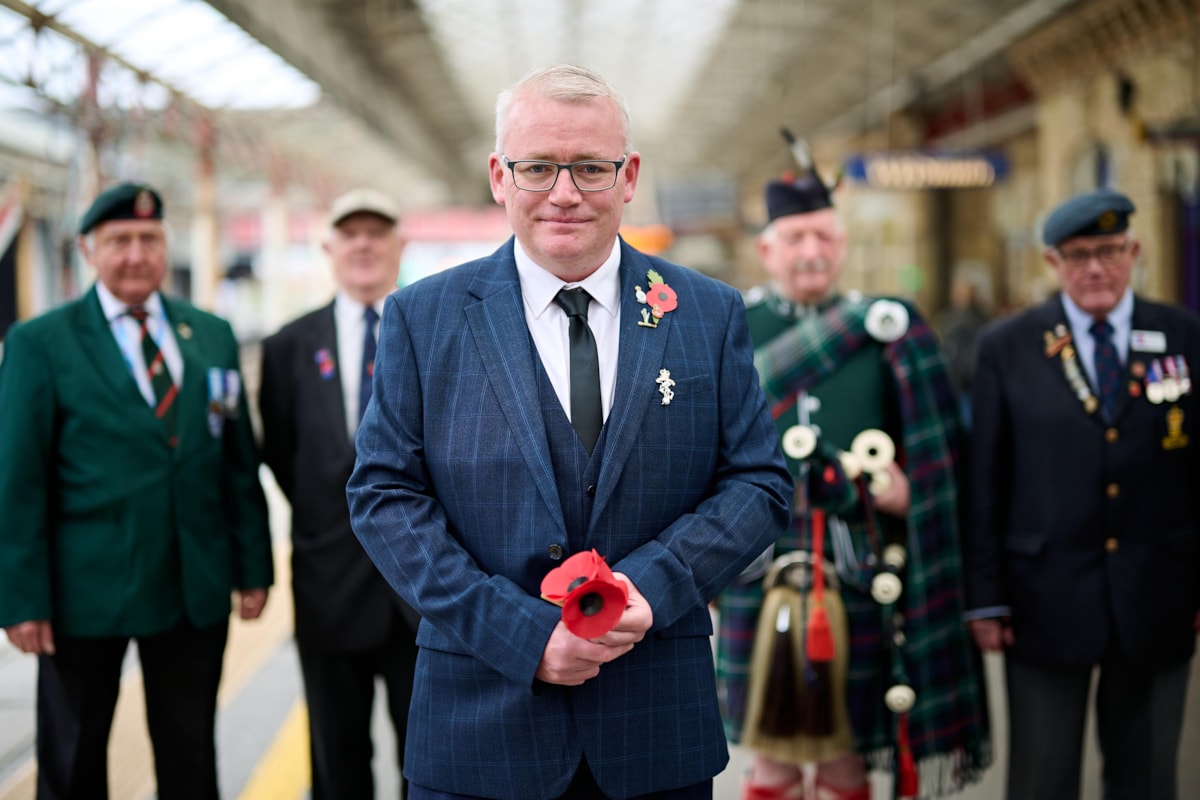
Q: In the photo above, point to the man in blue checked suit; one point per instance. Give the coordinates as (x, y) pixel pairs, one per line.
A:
(566, 393)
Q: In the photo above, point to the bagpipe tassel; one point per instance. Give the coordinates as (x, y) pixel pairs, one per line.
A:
(819, 647)
(781, 697)
(907, 785)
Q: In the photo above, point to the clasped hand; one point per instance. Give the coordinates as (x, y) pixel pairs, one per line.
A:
(569, 660)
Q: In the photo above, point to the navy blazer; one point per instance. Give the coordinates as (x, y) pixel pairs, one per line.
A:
(1088, 529)
(454, 497)
(341, 602)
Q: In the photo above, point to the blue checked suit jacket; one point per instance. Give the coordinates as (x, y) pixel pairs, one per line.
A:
(453, 495)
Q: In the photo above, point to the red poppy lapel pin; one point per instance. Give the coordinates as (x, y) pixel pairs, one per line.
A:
(660, 297)
(325, 363)
(592, 599)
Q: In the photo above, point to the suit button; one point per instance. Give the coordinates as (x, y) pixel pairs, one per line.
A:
(1111, 435)
(1111, 544)
(556, 552)
(591, 491)
(1112, 491)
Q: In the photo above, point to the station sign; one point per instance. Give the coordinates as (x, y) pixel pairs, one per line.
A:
(927, 170)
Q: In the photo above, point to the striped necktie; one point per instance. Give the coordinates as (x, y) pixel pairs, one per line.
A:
(164, 388)
(1108, 365)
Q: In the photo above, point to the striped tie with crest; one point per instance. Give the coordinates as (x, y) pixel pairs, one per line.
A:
(165, 389)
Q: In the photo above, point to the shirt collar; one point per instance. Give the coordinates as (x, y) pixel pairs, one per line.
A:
(114, 309)
(1121, 317)
(539, 286)
(346, 308)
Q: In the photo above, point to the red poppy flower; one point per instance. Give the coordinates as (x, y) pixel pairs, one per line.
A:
(662, 297)
(592, 599)
(594, 607)
(576, 570)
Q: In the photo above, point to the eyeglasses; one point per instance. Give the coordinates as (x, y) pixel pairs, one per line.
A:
(540, 176)
(1109, 255)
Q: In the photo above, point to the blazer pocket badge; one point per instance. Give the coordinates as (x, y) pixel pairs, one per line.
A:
(224, 393)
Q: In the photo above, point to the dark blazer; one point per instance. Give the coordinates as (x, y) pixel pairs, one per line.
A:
(342, 602)
(454, 496)
(104, 528)
(1089, 530)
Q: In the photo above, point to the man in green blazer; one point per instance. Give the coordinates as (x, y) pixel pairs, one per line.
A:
(130, 508)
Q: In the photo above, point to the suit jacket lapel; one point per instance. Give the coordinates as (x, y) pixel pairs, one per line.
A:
(639, 358)
(497, 326)
(192, 413)
(328, 391)
(1052, 317)
(96, 338)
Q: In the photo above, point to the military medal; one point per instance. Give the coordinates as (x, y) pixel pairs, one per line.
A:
(1056, 341)
(1170, 380)
(1154, 387)
(1078, 382)
(1185, 380)
(1175, 438)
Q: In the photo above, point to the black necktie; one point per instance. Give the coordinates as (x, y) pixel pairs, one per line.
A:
(370, 317)
(156, 369)
(586, 413)
(1108, 366)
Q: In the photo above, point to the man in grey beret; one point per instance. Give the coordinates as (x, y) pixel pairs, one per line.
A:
(1083, 544)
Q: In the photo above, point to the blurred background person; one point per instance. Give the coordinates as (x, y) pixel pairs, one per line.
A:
(959, 325)
(1083, 546)
(316, 380)
(133, 511)
(873, 670)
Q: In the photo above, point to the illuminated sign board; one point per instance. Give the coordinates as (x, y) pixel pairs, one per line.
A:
(919, 170)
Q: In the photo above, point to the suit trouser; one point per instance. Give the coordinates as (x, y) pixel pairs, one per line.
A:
(77, 694)
(339, 688)
(583, 787)
(1139, 716)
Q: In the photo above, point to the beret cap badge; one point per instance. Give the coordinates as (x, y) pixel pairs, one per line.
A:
(143, 204)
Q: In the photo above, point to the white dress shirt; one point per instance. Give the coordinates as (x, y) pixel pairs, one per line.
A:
(127, 332)
(1121, 319)
(550, 326)
(350, 328)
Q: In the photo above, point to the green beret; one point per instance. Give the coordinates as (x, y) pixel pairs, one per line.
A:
(1099, 213)
(123, 201)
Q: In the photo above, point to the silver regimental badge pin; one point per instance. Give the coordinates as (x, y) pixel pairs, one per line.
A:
(664, 386)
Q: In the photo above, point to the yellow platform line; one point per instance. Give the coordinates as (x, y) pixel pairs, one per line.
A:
(131, 761)
(284, 772)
